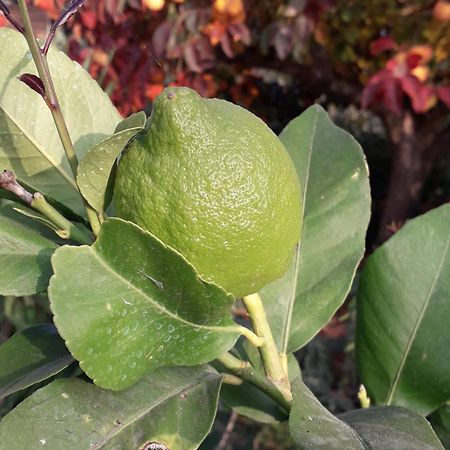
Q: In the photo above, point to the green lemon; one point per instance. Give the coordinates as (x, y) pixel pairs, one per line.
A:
(211, 180)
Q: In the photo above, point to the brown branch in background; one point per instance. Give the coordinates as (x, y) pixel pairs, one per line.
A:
(222, 445)
(417, 144)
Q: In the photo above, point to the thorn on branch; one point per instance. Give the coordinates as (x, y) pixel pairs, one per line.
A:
(7, 13)
(72, 8)
(9, 183)
(33, 82)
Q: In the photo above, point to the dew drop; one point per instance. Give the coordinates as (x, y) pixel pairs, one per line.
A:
(108, 331)
(171, 328)
(42, 441)
(158, 326)
(167, 338)
(132, 364)
(126, 330)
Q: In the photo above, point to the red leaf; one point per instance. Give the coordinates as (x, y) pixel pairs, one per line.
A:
(89, 19)
(382, 44)
(423, 97)
(3, 21)
(383, 89)
(443, 93)
(33, 82)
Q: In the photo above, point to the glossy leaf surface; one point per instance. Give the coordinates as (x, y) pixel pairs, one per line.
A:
(314, 428)
(30, 356)
(402, 316)
(378, 428)
(129, 304)
(392, 427)
(29, 143)
(336, 200)
(95, 168)
(27, 254)
(440, 420)
(172, 407)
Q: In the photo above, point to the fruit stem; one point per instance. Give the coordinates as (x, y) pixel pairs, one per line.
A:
(246, 372)
(40, 60)
(269, 353)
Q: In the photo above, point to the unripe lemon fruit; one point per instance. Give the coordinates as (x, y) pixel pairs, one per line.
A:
(211, 180)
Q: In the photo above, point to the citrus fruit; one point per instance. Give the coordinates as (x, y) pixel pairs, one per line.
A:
(211, 180)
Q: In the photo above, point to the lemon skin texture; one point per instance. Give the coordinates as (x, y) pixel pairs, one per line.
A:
(211, 180)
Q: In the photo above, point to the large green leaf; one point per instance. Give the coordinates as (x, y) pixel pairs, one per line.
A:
(336, 199)
(129, 304)
(26, 255)
(30, 356)
(29, 143)
(314, 428)
(403, 308)
(380, 428)
(392, 427)
(95, 168)
(440, 420)
(172, 407)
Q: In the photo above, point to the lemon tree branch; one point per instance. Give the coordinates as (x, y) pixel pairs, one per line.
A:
(273, 364)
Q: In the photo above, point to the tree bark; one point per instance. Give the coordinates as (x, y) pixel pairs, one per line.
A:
(417, 143)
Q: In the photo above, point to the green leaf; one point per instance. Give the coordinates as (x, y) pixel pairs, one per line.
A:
(336, 199)
(29, 143)
(392, 427)
(173, 407)
(27, 254)
(31, 356)
(136, 120)
(314, 428)
(380, 428)
(402, 316)
(440, 420)
(129, 304)
(95, 168)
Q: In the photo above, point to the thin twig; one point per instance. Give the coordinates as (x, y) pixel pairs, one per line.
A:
(228, 430)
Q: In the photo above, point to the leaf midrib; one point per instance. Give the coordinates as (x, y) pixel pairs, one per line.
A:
(227, 329)
(290, 309)
(146, 410)
(396, 379)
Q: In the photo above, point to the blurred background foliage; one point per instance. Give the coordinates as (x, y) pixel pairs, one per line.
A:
(380, 67)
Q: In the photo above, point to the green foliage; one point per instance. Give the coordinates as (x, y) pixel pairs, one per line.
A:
(77, 414)
(28, 254)
(135, 313)
(402, 316)
(29, 142)
(155, 312)
(336, 198)
(31, 356)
